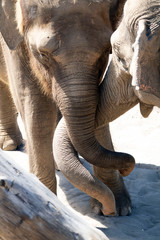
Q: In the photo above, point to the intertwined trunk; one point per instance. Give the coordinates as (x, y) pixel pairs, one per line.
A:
(75, 133)
(78, 102)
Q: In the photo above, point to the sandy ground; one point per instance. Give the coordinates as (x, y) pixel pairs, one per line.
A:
(140, 137)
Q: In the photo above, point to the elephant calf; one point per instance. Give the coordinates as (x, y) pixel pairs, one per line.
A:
(133, 77)
(54, 53)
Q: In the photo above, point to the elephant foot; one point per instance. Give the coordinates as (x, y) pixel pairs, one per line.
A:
(115, 182)
(123, 205)
(123, 202)
(10, 142)
(96, 206)
(98, 209)
(106, 207)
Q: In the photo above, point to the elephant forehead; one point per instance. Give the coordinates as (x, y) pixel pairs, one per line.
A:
(140, 6)
(138, 10)
(43, 36)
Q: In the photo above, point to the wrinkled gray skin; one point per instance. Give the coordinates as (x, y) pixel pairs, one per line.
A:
(133, 77)
(56, 52)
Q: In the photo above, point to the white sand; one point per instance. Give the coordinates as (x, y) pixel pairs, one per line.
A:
(141, 138)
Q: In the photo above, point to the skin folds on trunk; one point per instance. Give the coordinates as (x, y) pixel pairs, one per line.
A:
(79, 118)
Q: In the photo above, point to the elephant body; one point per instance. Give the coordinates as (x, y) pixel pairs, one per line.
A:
(133, 77)
(52, 56)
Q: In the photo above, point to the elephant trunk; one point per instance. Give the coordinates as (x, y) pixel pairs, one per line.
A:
(80, 96)
(70, 165)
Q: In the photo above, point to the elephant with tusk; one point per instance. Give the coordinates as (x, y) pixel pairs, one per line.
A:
(133, 77)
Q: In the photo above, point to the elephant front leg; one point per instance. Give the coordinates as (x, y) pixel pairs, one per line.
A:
(10, 135)
(39, 116)
(111, 178)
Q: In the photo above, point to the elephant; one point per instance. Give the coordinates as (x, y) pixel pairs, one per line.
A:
(53, 55)
(133, 77)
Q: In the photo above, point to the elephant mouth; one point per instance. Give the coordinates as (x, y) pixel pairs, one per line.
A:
(148, 95)
(147, 89)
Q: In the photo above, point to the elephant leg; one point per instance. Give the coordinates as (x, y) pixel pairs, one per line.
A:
(39, 115)
(111, 178)
(10, 135)
(40, 122)
(38, 112)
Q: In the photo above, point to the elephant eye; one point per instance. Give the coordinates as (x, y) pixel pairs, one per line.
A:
(43, 55)
(123, 62)
(120, 59)
(118, 50)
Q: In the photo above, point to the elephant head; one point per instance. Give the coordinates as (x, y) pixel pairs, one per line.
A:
(136, 52)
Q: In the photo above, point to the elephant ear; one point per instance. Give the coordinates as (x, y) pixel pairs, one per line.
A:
(8, 25)
(116, 11)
